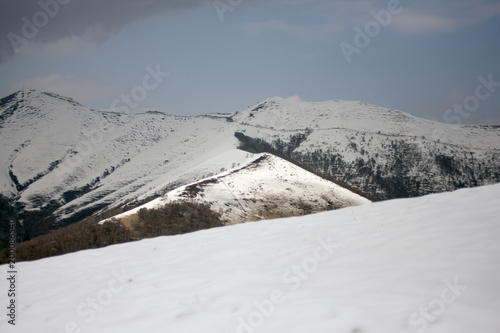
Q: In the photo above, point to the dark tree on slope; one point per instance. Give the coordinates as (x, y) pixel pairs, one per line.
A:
(176, 218)
(407, 170)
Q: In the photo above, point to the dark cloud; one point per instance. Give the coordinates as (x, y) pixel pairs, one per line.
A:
(93, 20)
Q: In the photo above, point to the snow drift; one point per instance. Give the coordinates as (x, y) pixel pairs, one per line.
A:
(409, 265)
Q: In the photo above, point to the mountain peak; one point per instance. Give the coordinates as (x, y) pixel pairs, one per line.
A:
(30, 103)
(33, 94)
(267, 187)
(276, 102)
(71, 162)
(289, 99)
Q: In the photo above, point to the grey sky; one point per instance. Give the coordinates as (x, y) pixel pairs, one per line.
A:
(426, 57)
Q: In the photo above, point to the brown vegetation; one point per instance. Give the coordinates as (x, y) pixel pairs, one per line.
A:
(174, 218)
(75, 237)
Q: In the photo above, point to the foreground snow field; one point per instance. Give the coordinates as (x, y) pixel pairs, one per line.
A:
(429, 264)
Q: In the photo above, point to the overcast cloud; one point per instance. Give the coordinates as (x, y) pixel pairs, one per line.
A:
(428, 58)
(88, 20)
(97, 20)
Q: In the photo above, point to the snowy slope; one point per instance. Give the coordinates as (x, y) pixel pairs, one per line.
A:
(284, 114)
(37, 129)
(103, 158)
(57, 154)
(387, 153)
(268, 187)
(410, 265)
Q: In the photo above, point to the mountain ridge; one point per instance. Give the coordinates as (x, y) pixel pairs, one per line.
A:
(65, 162)
(267, 187)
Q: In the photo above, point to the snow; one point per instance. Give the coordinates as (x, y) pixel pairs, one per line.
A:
(129, 158)
(265, 186)
(427, 264)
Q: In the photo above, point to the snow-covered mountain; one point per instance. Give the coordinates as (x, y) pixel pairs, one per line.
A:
(384, 152)
(427, 264)
(268, 187)
(61, 162)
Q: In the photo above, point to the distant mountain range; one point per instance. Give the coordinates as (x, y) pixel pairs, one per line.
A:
(268, 187)
(61, 162)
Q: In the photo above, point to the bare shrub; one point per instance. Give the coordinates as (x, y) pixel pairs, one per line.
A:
(176, 218)
(78, 236)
